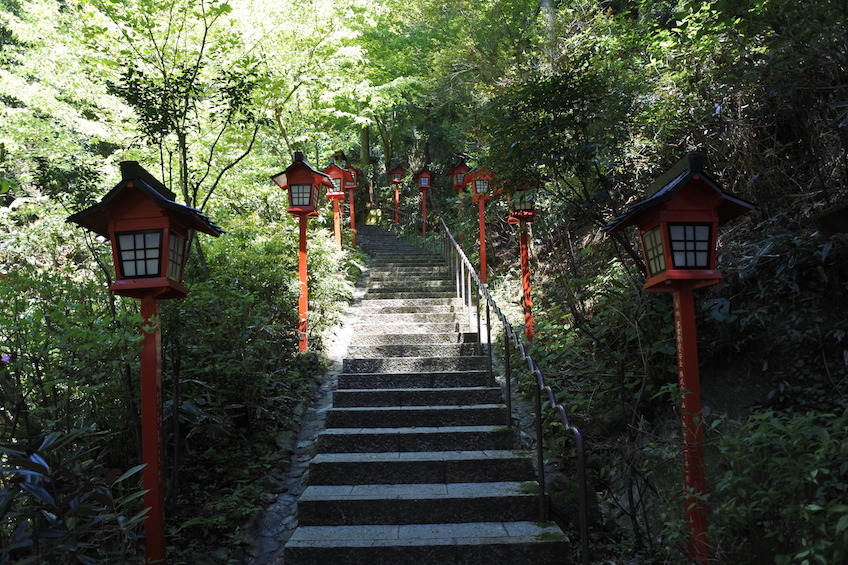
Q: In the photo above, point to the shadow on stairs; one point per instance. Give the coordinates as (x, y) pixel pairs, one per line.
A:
(415, 464)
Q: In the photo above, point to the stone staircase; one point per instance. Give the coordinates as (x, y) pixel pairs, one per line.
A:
(416, 464)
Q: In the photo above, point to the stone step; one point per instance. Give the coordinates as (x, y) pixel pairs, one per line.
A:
(400, 259)
(450, 503)
(425, 379)
(405, 416)
(419, 467)
(410, 271)
(414, 364)
(411, 328)
(411, 295)
(474, 543)
(410, 338)
(348, 398)
(383, 302)
(414, 318)
(375, 307)
(412, 350)
(419, 438)
(420, 284)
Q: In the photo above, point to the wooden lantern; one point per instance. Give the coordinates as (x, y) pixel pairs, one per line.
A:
(149, 233)
(678, 226)
(459, 174)
(302, 183)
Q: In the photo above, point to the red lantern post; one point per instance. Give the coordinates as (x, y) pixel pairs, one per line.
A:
(524, 211)
(302, 183)
(336, 195)
(678, 226)
(350, 188)
(423, 177)
(483, 183)
(397, 175)
(149, 233)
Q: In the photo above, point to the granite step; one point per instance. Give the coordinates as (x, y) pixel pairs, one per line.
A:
(409, 328)
(374, 338)
(383, 302)
(405, 416)
(380, 318)
(419, 438)
(447, 503)
(421, 379)
(347, 398)
(395, 350)
(420, 467)
(414, 364)
(412, 295)
(472, 543)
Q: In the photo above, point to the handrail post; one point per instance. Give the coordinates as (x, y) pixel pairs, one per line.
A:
(540, 458)
(507, 378)
(479, 329)
(489, 347)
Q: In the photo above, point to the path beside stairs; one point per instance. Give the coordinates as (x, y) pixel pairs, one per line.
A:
(415, 463)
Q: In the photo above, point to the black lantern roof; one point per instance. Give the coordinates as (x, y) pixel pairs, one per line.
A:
(688, 169)
(94, 217)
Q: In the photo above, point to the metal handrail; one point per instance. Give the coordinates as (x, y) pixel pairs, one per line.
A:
(465, 275)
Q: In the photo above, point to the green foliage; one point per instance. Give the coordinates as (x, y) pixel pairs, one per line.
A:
(59, 504)
(782, 496)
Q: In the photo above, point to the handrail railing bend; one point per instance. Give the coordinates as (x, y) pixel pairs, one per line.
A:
(466, 276)
(466, 280)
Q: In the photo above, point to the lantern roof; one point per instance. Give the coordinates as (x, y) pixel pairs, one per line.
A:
(333, 170)
(425, 172)
(136, 178)
(298, 165)
(688, 172)
(397, 169)
(460, 168)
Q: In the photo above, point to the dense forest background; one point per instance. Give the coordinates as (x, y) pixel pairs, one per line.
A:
(591, 99)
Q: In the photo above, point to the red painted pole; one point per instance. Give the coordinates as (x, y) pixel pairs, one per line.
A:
(303, 300)
(337, 224)
(152, 450)
(691, 424)
(352, 220)
(525, 283)
(482, 211)
(424, 213)
(397, 204)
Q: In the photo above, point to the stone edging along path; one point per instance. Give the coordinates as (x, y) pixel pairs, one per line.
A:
(265, 536)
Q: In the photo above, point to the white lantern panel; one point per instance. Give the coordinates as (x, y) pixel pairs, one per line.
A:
(176, 257)
(690, 245)
(652, 241)
(300, 194)
(140, 253)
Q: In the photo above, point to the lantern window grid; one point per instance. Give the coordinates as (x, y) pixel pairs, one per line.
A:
(424, 181)
(337, 184)
(652, 241)
(176, 256)
(690, 245)
(481, 186)
(460, 178)
(301, 194)
(140, 253)
(398, 177)
(523, 203)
